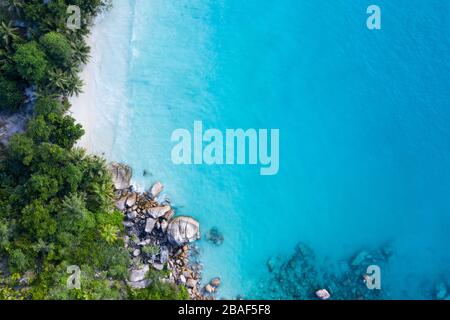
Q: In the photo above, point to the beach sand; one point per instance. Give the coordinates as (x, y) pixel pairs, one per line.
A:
(102, 106)
(84, 104)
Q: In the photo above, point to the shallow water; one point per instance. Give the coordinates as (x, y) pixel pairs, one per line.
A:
(363, 118)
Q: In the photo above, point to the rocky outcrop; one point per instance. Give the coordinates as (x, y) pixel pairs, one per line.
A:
(323, 294)
(182, 230)
(158, 241)
(169, 215)
(158, 212)
(121, 203)
(191, 283)
(150, 225)
(121, 175)
(156, 189)
(131, 200)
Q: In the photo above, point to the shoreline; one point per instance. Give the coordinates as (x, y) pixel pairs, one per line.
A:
(157, 239)
(104, 82)
(179, 262)
(85, 102)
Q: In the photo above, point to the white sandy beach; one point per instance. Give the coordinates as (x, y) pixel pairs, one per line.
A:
(102, 106)
(84, 105)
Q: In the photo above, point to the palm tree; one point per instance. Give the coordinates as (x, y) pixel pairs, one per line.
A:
(109, 233)
(41, 93)
(74, 83)
(8, 34)
(15, 7)
(81, 51)
(57, 80)
(64, 83)
(74, 86)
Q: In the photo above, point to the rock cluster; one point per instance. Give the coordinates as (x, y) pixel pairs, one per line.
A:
(212, 286)
(301, 276)
(155, 238)
(121, 175)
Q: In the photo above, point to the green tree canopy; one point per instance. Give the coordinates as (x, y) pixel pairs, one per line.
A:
(11, 95)
(37, 220)
(46, 104)
(57, 48)
(31, 62)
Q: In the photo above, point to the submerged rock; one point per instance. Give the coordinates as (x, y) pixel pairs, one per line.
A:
(300, 275)
(215, 282)
(441, 291)
(209, 288)
(215, 237)
(387, 252)
(183, 230)
(274, 263)
(360, 258)
(121, 175)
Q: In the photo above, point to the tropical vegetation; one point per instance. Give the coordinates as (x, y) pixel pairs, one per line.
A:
(55, 200)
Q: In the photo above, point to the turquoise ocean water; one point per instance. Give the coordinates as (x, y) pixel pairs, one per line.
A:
(364, 119)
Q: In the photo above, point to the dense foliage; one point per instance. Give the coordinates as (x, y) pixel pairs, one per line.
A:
(55, 200)
(11, 94)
